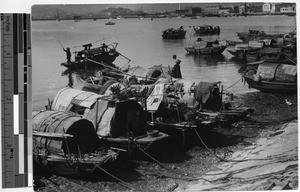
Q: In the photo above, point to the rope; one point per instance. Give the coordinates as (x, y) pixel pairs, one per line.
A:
(233, 84)
(222, 159)
(122, 183)
(162, 165)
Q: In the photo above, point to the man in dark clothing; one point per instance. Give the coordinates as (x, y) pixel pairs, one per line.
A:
(68, 52)
(176, 72)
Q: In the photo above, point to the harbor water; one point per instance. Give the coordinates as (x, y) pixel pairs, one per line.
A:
(141, 42)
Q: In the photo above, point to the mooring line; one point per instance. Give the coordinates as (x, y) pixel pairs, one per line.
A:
(163, 166)
(122, 183)
(222, 159)
(233, 84)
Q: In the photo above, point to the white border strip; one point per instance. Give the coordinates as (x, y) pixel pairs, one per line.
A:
(16, 114)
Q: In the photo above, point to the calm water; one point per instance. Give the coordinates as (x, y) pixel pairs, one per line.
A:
(141, 41)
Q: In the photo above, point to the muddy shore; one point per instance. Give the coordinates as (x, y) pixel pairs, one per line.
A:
(180, 166)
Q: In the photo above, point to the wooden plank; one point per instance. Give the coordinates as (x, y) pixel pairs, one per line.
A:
(52, 135)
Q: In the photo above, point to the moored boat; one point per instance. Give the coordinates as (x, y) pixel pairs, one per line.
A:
(110, 23)
(98, 57)
(205, 47)
(172, 107)
(207, 30)
(275, 76)
(67, 144)
(172, 33)
(120, 122)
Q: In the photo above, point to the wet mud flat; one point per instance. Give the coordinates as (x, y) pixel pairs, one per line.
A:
(174, 166)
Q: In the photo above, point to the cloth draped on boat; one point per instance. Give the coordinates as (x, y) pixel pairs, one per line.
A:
(208, 94)
(156, 97)
(53, 125)
(108, 116)
(271, 51)
(277, 72)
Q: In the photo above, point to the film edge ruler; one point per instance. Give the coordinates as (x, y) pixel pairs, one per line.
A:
(16, 131)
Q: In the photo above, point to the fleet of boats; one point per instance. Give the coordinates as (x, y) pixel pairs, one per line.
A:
(122, 111)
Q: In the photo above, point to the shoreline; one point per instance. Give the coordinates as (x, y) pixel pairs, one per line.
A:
(271, 112)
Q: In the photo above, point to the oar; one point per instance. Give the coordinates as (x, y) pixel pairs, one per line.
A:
(60, 44)
(125, 57)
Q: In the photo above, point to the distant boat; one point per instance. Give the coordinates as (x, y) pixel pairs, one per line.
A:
(206, 47)
(172, 33)
(141, 17)
(110, 23)
(207, 30)
(120, 17)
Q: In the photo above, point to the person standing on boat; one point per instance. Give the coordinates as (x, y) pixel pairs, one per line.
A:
(176, 72)
(104, 48)
(68, 52)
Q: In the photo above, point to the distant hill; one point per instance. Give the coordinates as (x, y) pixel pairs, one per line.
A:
(52, 11)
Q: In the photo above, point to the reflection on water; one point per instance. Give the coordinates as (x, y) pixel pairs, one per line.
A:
(207, 60)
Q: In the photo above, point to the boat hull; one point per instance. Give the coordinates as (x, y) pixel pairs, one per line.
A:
(207, 50)
(271, 86)
(175, 36)
(143, 142)
(89, 64)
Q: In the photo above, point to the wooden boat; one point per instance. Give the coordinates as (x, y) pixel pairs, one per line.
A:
(250, 48)
(67, 144)
(110, 23)
(265, 53)
(233, 43)
(172, 33)
(135, 76)
(255, 35)
(170, 111)
(120, 122)
(98, 57)
(275, 76)
(206, 47)
(207, 30)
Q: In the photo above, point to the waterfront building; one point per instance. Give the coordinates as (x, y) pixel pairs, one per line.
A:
(224, 11)
(236, 9)
(242, 9)
(211, 9)
(266, 7)
(287, 8)
(255, 7)
(196, 10)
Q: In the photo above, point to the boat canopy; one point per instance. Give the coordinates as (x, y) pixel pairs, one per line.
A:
(277, 72)
(157, 71)
(110, 117)
(59, 131)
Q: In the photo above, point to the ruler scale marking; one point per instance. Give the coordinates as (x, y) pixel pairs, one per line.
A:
(16, 101)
